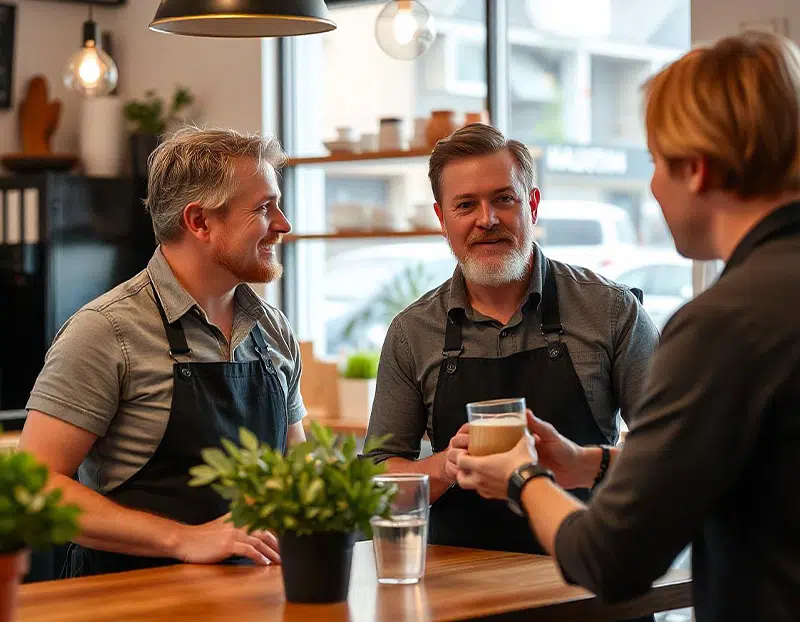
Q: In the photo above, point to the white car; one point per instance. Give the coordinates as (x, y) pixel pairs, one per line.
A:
(665, 278)
(591, 234)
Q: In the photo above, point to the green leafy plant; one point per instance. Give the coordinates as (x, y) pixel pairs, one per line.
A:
(404, 288)
(319, 485)
(152, 116)
(362, 365)
(30, 516)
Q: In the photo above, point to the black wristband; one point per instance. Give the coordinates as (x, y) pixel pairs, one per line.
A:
(605, 459)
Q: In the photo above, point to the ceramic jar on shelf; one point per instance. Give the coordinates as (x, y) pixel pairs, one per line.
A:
(440, 125)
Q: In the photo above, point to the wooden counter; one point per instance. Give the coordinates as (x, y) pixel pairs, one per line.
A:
(460, 584)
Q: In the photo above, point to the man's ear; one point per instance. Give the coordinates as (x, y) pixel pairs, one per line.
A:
(195, 220)
(440, 215)
(699, 174)
(533, 200)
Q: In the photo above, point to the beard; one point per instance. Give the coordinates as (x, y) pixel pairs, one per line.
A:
(249, 268)
(499, 268)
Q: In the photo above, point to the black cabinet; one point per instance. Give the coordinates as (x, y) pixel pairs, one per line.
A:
(64, 240)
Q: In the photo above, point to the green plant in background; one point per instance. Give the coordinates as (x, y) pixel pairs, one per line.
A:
(151, 116)
(394, 296)
(30, 516)
(319, 485)
(362, 365)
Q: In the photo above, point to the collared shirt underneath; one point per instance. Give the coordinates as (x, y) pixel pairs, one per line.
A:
(109, 372)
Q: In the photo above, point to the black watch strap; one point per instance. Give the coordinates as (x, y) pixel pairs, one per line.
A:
(519, 479)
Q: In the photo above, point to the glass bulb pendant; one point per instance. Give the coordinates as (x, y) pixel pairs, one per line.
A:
(90, 71)
(405, 29)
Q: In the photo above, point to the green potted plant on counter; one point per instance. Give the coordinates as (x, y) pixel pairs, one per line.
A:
(30, 518)
(315, 499)
(357, 385)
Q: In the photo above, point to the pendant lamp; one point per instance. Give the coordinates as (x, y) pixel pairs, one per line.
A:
(242, 18)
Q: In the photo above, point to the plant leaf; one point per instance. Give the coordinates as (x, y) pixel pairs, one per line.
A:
(248, 439)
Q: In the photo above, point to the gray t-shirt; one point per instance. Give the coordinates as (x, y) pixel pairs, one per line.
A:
(109, 371)
(609, 335)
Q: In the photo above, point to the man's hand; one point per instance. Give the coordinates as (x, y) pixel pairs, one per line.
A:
(218, 540)
(489, 475)
(458, 444)
(557, 453)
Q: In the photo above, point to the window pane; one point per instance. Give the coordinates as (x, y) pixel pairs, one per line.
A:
(350, 289)
(576, 69)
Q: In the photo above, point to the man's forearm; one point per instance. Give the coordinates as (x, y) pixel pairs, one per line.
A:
(108, 526)
(433, 466)
(547, 506)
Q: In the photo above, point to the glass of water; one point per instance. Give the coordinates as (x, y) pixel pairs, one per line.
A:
(401, 540)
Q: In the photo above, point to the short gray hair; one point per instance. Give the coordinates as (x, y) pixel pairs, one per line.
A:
(198, 165)
(479, 139)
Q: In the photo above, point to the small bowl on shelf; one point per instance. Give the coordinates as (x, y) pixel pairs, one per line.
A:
(340, 146)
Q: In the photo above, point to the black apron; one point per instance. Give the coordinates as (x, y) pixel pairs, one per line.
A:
(209, 401)
(547, 380)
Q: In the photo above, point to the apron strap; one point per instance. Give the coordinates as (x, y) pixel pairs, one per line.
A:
(551, 317)
(452, 334)
(175, 334)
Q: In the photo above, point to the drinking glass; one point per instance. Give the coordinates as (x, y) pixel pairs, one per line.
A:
(495, 426)
(401, 540)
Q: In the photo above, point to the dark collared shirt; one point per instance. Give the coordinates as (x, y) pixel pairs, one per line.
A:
(714, 455)
(609, 335)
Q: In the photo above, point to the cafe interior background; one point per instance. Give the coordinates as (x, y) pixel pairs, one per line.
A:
(564, 77)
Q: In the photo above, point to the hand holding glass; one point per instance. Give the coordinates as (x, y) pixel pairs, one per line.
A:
(495, 426)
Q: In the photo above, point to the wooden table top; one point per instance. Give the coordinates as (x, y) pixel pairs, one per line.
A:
(460, 584)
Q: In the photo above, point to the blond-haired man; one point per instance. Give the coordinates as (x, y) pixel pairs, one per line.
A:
(143, 378)
(509, 323)
(714, 454)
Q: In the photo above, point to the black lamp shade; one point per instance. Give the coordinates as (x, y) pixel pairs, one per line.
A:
(242, 18)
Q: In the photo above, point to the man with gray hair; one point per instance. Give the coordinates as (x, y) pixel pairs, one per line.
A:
(185, 353)
(509, 323)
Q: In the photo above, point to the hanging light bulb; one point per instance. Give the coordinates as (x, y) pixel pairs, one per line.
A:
(90, 71)
(405, 29)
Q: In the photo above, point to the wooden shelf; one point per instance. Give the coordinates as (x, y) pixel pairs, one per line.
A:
(360, 157)
(355, 235)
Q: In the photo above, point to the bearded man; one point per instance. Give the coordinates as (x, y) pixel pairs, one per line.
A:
(509, 323)
(143, 378)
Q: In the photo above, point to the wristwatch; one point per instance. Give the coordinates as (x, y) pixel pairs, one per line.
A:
(519, 478)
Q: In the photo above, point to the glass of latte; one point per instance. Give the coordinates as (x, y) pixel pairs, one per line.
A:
(495, 426)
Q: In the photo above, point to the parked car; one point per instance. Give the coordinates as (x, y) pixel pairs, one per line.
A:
(665, 278)
(591, 234)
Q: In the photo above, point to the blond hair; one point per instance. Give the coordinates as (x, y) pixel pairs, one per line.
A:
(478, 139)
(736, 103)
(199, 165)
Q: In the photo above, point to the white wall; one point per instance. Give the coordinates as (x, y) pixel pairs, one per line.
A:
(712, 19)
(225, 75)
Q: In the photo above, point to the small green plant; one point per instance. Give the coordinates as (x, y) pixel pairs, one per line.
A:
(30, 516)
(319, 485)
(362, 365)
(151, 116)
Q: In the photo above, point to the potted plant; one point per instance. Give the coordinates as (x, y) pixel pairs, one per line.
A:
(151, 118)
(315, 499)
(30, 518)
(357, 385)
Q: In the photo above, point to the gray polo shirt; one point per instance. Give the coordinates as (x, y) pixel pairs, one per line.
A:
(609, 335)
(108, 370)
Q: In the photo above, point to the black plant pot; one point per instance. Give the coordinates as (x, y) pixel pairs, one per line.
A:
(316, 567)
(142, 145)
